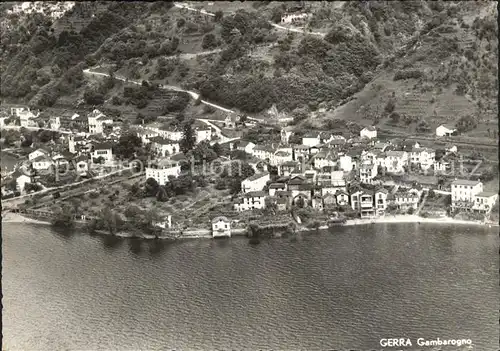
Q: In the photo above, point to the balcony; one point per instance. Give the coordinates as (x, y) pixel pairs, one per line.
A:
(365, 204)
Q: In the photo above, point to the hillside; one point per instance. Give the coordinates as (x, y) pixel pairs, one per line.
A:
(406, 66)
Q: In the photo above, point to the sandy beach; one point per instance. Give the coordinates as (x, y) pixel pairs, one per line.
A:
(414, 219)
(10, 217)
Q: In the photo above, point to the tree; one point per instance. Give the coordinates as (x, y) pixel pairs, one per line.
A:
(152, 187)
(389, 107)
(203, 151)
(209, 41)
(188, 140)
(127, 146)
(218, 16)
(92, 97)
(395, 117)
(270, 205)
(162, 195)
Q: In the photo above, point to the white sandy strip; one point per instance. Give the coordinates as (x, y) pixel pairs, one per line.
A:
(415, 219)
(17, 218)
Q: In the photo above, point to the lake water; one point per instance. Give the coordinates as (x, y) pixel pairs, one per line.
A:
(336, 290)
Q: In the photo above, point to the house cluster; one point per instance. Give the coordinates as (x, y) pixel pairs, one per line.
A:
(315, 172)
(27, 117)
(322, 191)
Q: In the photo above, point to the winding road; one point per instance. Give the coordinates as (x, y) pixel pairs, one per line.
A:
(277, 26)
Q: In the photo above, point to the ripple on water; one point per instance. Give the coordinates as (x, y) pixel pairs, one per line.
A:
(342, 290)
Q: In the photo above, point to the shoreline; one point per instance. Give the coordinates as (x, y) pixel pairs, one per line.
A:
(17, 218)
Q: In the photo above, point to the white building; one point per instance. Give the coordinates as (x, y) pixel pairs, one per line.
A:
(286, 133)
(42, 162)
(484, 201)
(275, 187)
(281, 157)
(345, 163)
(104, 150)
(367, 172)
(311, 139)
(27, 118)
(202, 134)
(21, 182)
(406, 200)
(38, 153)
(445, 130)
(221, 227)
(162, 170)
(246, 146)
(423, 156)
(294, 18)
(263, 152)
(368, 132)
(395, 161)
(55, 123)
(81, 164)
(324, 159)
(251, 201)
(164, 147)
(380, 201)
(97, 121)
(256, 182)
(463, 193)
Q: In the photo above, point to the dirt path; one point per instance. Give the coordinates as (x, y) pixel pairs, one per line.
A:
(277, 26)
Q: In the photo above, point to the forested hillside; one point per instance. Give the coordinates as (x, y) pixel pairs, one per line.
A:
(404, 64)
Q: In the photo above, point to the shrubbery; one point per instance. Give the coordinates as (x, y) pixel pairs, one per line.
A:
(408, 74)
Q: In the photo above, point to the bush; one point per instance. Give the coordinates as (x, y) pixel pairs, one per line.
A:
(209, 41)
(408, 74)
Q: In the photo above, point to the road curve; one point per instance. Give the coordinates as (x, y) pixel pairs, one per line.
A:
(193, 94)
(277, 26)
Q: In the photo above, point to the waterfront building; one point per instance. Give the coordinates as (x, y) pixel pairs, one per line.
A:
(317, 203)
(380, 201)
(221, 227)
(342, 198)
(484, 201)
(405, 200)
(256, 182)
(463, 193)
